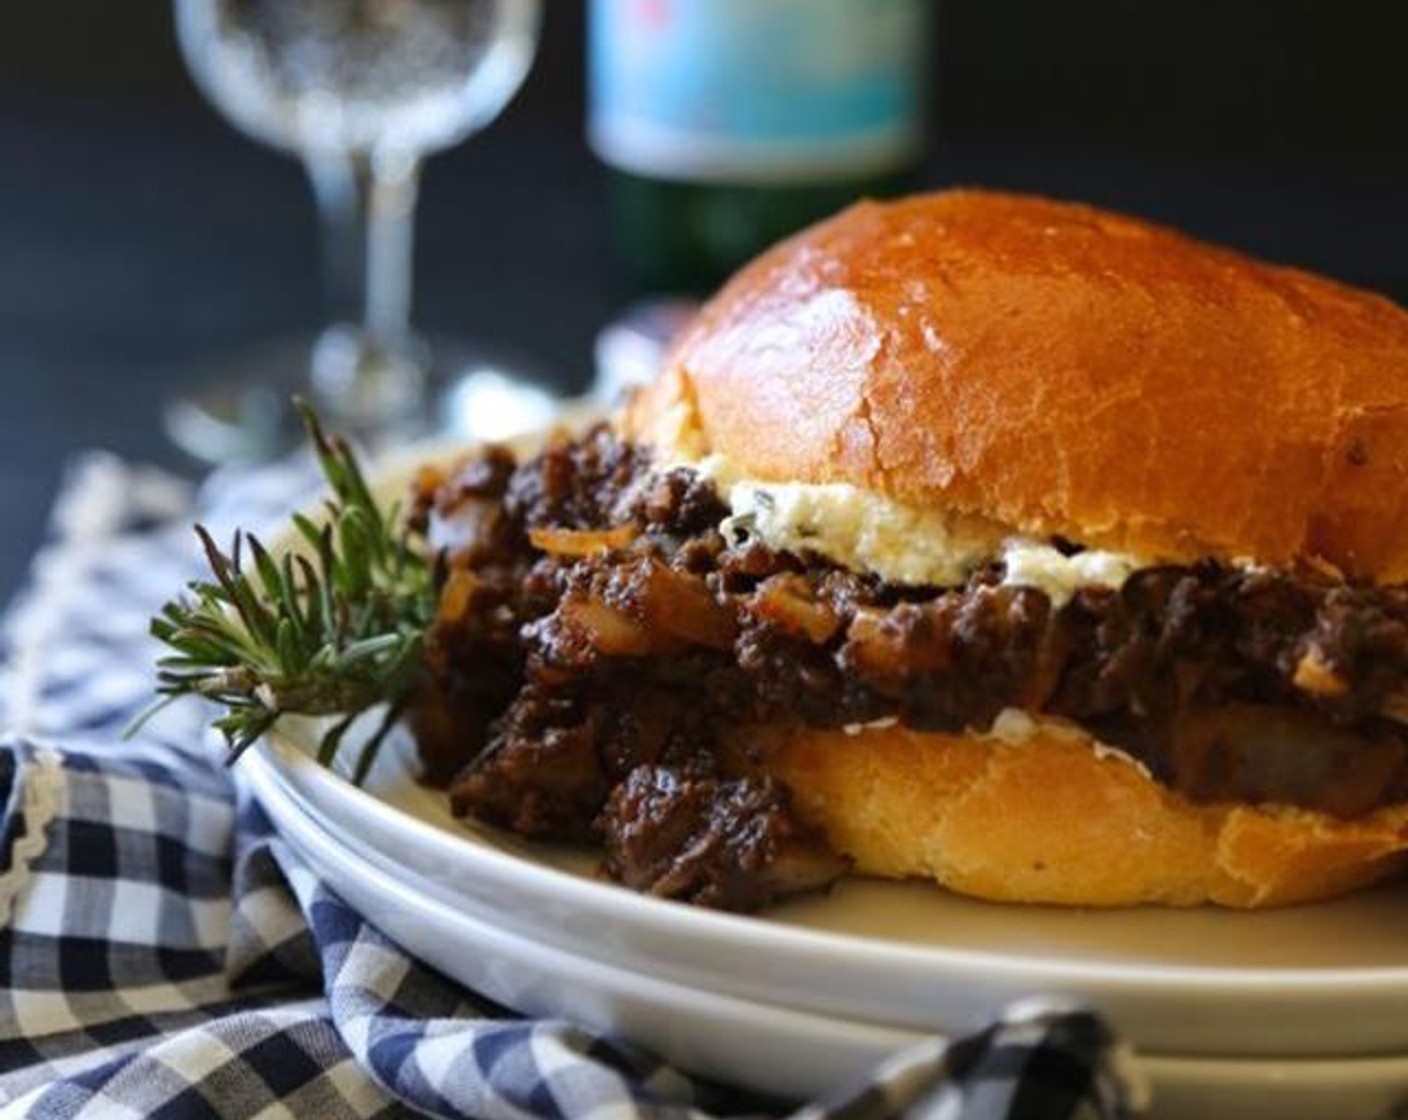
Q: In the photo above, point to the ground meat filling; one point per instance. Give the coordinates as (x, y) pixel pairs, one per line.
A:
(597, 636)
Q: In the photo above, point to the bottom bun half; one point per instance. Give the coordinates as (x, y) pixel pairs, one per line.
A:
(1058, 819)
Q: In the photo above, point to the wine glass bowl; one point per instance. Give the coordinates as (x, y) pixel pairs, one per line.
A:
(358, 75)
(361, 91)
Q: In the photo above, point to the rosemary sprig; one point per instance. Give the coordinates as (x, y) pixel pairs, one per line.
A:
(334, 632)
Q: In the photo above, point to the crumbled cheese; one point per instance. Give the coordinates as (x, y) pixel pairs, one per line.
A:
(902, 543)
(1014, 728)
(873, 725)
(1033, 564)
(1104, 752)
(861, 531)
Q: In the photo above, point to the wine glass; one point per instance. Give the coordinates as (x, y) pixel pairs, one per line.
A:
(361, 91)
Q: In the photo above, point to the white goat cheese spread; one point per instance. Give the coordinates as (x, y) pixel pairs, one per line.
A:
(902, 543)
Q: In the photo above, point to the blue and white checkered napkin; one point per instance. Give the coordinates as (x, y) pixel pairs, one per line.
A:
(164, 954)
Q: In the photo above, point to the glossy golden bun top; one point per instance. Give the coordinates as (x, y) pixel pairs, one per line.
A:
(1061, 370)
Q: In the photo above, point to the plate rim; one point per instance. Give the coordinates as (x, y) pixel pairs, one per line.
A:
(1168, 1073)
(831, 945)
(639, 987)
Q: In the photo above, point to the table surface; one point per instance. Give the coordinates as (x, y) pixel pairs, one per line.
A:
(139, 245)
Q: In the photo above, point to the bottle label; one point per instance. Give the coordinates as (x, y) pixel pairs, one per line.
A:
(757, 91)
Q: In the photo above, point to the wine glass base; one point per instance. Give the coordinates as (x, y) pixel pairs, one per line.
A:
(247, 415)
(246, 411)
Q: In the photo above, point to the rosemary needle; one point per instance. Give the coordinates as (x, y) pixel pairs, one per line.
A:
(333, 632)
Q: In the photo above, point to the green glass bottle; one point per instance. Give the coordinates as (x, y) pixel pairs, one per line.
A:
(728, 124)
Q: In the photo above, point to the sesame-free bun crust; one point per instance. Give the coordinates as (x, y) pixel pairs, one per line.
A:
(1051, 820)
(1058, 369)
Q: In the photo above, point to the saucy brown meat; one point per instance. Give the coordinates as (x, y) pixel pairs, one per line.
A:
(714, 842)
(597, 634)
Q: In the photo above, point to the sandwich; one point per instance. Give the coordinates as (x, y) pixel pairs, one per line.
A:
(1009, 544)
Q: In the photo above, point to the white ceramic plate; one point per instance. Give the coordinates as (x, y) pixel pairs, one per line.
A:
(771, 1049)
(1314, 980)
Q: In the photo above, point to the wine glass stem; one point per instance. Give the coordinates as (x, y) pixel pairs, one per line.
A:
(367, 211)
(367, 207)
(391, 193)
(343, 243)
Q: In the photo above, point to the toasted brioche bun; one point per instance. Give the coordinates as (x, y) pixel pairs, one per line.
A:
(1059, 370)
(1054, 820)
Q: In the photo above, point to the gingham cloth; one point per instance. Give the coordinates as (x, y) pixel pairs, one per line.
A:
(164, 954)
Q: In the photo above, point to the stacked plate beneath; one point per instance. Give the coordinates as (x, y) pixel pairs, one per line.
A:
(1286, 1014)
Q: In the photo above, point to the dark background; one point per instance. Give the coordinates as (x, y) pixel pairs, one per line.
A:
(140, 238)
